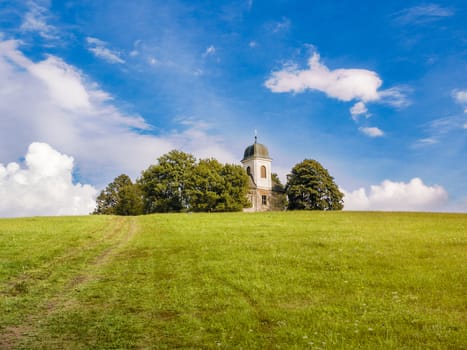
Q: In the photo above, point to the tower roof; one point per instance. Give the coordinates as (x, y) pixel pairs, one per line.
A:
(256, 150)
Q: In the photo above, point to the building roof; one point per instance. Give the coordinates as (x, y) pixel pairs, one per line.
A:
(256, 150)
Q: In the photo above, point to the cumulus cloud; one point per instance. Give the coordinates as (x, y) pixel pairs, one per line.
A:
(44, 186)
(343, 84)
(67, 110)
(99, 49)
(35, 20)
(372, 131)
(358, 109)
(397, 196)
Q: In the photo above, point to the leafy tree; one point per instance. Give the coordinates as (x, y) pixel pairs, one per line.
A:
(279, 198)
(179, 183)
(234, 194)
(310, 186)
(164, 185)
(206, 186)
(120, 197)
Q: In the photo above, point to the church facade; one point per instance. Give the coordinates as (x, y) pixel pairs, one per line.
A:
(263, 194)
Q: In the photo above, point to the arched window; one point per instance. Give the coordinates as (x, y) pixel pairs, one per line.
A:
(263, 171)
(248, 170)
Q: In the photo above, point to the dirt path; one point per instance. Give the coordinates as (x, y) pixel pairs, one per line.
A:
(121, 233)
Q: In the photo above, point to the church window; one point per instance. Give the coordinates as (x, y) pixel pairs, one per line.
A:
(248, 170)
(264, 200)
(263, 172)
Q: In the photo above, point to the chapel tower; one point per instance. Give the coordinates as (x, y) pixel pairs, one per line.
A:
(257, 164)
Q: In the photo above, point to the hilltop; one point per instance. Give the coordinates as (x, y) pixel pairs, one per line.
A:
(319, 280)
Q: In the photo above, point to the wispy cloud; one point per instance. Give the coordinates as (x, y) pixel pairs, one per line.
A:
(210, 51)
(422, 14)
(426, 142)
(67, 110)
(35, 20)
(281, 26)
(441, 128)
(99, 49)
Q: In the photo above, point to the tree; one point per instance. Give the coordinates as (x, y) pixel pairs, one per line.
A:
(120, 197)
(234, 194)
(279, 198)
(179, 183)
(164, 185)
(206, 186)
(310, 187)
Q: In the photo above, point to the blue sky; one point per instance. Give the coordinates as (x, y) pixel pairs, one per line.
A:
(375, 91)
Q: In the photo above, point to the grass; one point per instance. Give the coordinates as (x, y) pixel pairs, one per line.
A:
(295, 280)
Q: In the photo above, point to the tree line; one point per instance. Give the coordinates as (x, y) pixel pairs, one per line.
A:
(181, 183)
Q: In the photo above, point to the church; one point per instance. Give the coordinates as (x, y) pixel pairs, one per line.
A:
(264, 194)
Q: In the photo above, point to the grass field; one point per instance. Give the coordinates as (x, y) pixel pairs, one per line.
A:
(295, 280)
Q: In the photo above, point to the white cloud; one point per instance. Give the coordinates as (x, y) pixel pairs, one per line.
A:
(44, 186)
(397, 196)
(35, 20)
(358, 109)
(445, 125)
(395, 96)
(99, 49)
(427, 141)
(372, 131)
(460, 96)
(63, 82)
(252, 44)
(422, 14)
(343, 84)
(54, 102)
(211, 50)
(282, 25)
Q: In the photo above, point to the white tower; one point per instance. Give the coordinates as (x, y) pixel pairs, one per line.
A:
(257, 164)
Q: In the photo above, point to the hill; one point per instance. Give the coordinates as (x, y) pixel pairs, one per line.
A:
(318, 280)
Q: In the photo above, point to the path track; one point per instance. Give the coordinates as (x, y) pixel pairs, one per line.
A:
(119, 234)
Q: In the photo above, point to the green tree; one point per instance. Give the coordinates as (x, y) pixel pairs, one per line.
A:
(206, 186)
(164, 185)
(279, 198)
(179, 183)
(120, 197)
(234, 194)
(310, 186)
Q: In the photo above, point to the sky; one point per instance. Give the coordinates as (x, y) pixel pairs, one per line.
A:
(375, 91)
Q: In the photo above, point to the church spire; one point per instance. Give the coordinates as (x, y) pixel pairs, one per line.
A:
(256, 136)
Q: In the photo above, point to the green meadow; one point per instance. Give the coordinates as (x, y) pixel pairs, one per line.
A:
(289, 280)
